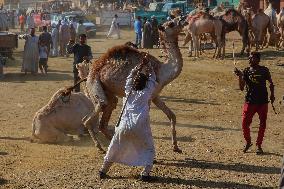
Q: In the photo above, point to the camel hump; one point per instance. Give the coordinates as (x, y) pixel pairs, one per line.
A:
(118, 57)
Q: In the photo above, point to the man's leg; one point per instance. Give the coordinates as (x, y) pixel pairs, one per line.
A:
(248, 112)
(262, 113)
(105, 168)
(146, 171)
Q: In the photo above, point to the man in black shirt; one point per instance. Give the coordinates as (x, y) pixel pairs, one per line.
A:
(256, 100)
(81, 52)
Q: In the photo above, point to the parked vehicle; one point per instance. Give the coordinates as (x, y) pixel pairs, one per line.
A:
(8, 42)
(163, 13)
(75, 17)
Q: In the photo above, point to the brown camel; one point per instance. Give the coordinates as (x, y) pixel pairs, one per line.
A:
(234, 21)
(200, 24)
(106, 80)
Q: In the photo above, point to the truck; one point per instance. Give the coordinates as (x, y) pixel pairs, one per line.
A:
(161, 10)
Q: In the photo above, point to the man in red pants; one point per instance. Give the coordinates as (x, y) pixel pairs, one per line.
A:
(254, 79)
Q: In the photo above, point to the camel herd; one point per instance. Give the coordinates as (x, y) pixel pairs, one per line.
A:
(259, 29)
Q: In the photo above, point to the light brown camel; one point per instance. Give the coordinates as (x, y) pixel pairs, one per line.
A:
(63, 115)
(106, 80)
(200, 24)
(260, 24)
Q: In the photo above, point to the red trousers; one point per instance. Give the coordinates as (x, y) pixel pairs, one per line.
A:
(248, 112)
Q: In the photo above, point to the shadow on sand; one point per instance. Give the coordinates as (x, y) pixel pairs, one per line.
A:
(22, 78)
(203, 183)
(3, 181)
(189, 101)
(237, 167)
(212, 128)
(15, 138)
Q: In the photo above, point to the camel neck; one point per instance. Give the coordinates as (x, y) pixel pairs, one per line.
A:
(173, 66)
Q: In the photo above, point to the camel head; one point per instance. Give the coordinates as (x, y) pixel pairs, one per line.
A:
(83, 69)
(169, 31)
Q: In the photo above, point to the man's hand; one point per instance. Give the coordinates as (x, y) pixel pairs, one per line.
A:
(238, 72)
(272, 99)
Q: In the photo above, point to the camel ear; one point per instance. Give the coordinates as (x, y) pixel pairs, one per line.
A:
(161, 28)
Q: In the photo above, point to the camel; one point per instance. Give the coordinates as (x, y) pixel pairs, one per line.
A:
(64, 114)
(260, 23)
(234, 21)
(271, 12)
(280, 25)
(107, 77)
(201, 24)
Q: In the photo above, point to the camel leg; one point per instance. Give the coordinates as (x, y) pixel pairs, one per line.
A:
(190, 48)
(172, 117)
(107, 111)
(52, 135)
(90, 122)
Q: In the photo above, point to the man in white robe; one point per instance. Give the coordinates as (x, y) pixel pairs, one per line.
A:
(132, 143)
(64, 37)
(55, 39)
(31, 53)
(114, 28)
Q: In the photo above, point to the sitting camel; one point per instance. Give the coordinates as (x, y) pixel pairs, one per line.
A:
(106, 80)
(64, 114)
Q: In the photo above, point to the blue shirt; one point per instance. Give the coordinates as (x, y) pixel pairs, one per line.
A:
(137, 26)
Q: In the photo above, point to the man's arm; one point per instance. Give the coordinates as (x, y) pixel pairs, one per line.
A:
(271, 87)
(240, 74)
(70, 47)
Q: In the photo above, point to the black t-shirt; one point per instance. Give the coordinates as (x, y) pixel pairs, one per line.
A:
(256, 91)
(80, 51)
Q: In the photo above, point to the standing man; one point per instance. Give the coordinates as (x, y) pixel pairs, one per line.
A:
(81, 29)
(30, 22)
(46, 39)
(55, 40)
(138, 31)
(114, 28)
(254, 79)
(72, 33)
(155, 31)
(22, 22)
(147, 35)
(81, 52)
(31, 53)
(64, 37)
(132, 143)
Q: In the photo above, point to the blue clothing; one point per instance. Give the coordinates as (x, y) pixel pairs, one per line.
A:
(138, 26)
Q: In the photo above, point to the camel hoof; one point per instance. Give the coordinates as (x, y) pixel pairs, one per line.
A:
(177, 150)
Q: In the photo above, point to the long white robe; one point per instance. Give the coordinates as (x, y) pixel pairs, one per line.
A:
(132, 143)
(31, 54)
(114, 28)
(55, 40)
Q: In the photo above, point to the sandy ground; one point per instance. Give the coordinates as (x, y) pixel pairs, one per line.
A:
(205, 100)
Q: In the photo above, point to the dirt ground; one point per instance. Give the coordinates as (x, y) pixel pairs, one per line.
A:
(208, 106)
